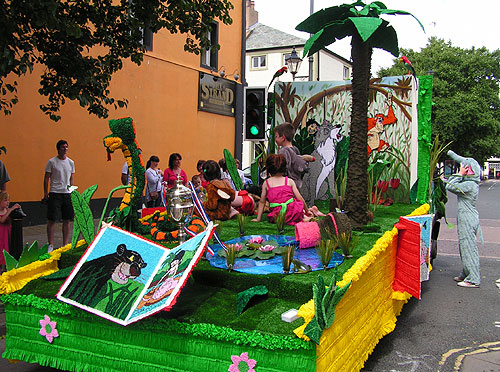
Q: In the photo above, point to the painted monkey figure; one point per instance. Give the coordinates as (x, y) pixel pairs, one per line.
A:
(120, 266)
(376, 127)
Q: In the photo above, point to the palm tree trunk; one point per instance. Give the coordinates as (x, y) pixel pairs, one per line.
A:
(356, 197)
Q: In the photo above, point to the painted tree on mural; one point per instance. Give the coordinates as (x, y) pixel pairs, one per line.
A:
(363, 23)
(288, 97)
(80, 44)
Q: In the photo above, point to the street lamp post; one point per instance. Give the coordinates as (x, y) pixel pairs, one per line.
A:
(293, 62)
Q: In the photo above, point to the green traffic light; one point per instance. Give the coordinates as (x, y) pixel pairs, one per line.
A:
(254, 130)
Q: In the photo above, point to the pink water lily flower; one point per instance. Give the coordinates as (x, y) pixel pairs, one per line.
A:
(52, 332)
(266, 248)
(243, 358)
(256, 239)
(236, 247)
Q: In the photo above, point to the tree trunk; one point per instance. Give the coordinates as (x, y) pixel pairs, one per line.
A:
(356, 203)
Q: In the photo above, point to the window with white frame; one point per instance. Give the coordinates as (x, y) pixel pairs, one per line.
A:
(259, 62)
(347, 73)
(209, 56)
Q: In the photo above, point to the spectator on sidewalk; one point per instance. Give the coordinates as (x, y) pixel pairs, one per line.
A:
(174, 170)
(59, 174)
(125, 175)
(5, 226)
(4, 177)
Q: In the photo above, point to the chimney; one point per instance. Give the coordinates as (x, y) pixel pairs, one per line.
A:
(252, 15)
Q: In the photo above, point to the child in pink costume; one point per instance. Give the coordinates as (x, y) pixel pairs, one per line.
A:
(5, 226)
(281, 192)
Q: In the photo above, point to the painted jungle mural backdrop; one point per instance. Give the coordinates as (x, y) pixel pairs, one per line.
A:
(320, 112)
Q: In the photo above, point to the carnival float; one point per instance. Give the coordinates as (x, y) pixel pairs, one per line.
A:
(172, 292)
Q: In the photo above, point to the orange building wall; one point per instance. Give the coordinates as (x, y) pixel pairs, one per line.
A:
(163, 101)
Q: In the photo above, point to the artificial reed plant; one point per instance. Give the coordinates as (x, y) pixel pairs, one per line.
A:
(287, 258)
(280, 222)
(347, 243)
(231, 253)
(242, 223)
(325, 250)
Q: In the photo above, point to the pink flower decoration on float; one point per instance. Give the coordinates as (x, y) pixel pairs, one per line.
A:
(236, 247)
(266, 248)
(52, 329)
(256, 239)
(243, 358)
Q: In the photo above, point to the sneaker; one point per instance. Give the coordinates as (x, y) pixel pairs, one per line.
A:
(467, 284)
(458, 279)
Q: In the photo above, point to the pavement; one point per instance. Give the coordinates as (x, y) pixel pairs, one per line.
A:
(480, 360)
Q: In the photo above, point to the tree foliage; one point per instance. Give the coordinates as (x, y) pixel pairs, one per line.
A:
(466, 100)
(80, 44)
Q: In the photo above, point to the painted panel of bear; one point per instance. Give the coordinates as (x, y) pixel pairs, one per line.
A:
(123, 277)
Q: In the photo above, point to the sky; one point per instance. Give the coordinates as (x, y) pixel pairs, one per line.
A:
(465, 23)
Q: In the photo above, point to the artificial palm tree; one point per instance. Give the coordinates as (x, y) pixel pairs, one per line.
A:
(363, 23)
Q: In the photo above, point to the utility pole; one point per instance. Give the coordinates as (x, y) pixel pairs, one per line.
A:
(311, 59)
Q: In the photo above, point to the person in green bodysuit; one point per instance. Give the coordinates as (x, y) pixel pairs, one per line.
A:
(465, 185)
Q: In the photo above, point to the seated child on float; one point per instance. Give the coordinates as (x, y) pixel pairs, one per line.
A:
(200, 190)
(282, 193)
(221, 200)
(296, 164)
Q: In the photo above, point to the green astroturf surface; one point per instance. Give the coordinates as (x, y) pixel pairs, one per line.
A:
(209, 296)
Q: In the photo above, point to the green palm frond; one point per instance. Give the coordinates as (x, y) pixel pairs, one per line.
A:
(337, 22)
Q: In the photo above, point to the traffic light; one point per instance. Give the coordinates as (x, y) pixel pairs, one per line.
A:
(255, 115)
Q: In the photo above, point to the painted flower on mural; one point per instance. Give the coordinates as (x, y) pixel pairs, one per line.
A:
(243, 358)
(394, 183)
(48, 329)
(383, 185)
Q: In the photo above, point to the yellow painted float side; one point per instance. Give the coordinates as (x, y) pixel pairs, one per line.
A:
(366, 313)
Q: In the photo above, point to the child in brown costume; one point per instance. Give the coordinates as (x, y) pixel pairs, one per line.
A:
(220, 195)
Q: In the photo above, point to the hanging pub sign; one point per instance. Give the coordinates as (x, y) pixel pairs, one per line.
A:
(216, 95)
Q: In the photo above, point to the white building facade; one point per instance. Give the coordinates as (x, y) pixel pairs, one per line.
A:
(266, 51)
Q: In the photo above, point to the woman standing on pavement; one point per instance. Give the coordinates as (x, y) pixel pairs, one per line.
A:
(174, 170)
(465, 185)
(154, 176)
